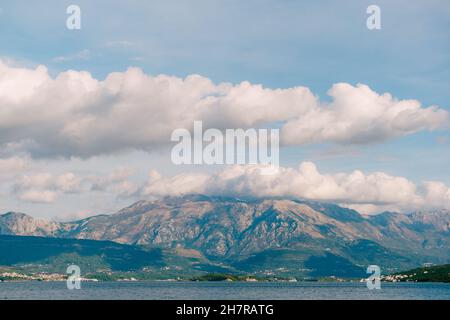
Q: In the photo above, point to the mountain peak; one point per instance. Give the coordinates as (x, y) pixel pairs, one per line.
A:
(17, 223)
(12, 214)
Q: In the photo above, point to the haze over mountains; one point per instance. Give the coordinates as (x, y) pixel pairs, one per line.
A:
(264, 235)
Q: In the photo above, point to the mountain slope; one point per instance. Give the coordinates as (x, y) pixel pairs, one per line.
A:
(89, 254)
(14, 223)
(53, 255)
(425, 274)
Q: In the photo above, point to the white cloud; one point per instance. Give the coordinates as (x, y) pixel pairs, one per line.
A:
(116, 182)
(178, 185)
(366, 192)
(125, 189)
(66, 182)
(75, 114)
(10, 167)
(359, 115)
(437, 193)
(48, 186)
(35, 196)
(370, 193)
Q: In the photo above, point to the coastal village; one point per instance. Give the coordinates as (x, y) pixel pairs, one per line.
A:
(15, 276)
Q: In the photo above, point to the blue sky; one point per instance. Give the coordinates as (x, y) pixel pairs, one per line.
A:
(279, 44)
(276, 43)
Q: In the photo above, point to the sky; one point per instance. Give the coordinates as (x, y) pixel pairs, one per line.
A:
(86, 115)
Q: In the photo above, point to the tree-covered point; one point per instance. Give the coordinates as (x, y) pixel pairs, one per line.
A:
(426, 274)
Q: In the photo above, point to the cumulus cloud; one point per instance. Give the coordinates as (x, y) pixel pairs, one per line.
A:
(117, 182)
(67, 182)
(10, 167)
(437, 193)
(178, 185)
(359, 115)
(36, 196)
(46, 187)
(75, 114)
(367, 192)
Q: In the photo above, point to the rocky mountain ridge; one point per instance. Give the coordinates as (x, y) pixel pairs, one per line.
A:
(231, 229)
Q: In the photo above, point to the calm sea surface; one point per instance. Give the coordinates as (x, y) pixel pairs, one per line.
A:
(221, 290)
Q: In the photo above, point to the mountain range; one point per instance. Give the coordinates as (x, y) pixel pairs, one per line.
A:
(261, 236)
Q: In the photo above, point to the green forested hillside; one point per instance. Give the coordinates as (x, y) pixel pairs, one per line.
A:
(90, 255)
(426, 274)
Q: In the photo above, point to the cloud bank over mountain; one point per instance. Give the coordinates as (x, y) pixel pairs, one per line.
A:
(370, 193)
(366, 192)
(74, 114)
